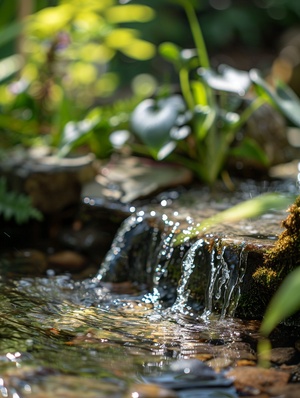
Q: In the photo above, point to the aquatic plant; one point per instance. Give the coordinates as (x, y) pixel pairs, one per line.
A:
(202, 122)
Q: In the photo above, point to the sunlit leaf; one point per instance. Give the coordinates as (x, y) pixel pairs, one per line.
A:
(129, 13)
(83, 73)
(120, 38)
(98, 53)
(228, 79)
(284, 303)
(50, 20)
(204, 118)
(87, 21)
(139, 49)
(282, 97)
(200, 94)
(170, 51)
(249, 209)
(9, 66)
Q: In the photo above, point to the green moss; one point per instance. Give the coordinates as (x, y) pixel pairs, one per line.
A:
(284, 256)
(275, 265)
(265, 276)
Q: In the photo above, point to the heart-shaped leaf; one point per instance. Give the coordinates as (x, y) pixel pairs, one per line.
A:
(227, 79)
(152, 121)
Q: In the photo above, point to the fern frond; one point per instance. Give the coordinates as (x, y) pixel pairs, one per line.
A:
(16, 206)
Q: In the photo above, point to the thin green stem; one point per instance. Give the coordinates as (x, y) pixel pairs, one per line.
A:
(248, 112)
(185, 88)
(197, 34)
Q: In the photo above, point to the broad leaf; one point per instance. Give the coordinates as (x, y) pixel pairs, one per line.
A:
(228, 79)
(154, 121)
(283, 97)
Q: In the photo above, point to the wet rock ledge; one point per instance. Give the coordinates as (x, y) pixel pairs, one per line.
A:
(215, 272)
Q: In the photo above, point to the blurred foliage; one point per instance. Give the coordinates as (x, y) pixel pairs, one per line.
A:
(77, 55)
(63, 66)
(200, 130)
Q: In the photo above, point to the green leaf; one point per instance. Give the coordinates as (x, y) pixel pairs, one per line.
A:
(152, 121)
(204, 118)
(284, 303)
(181, 58)
(283, 97)
(75, 133)
(248, 209)
(16, 206)
(227, 79)
(200, 93)
(249, 149)
(171, 52)
(10, 32)
(129, 13)
(9, 66)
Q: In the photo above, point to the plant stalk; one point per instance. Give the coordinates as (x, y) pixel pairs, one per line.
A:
(197, 34)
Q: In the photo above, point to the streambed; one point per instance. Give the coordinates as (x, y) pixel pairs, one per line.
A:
(107, 337)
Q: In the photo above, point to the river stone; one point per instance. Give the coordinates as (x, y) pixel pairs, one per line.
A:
(239, 246)
(131, 178)
(67, 260)
(253, 380)
(53, 183)
(141, 252)
(283, 355)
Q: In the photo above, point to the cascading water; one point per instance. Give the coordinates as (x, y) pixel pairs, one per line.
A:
(200, 278)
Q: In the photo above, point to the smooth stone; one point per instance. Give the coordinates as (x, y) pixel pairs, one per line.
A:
(255, 380)
(283, 355)
(67, 261)
(131, 178)
(220, 363)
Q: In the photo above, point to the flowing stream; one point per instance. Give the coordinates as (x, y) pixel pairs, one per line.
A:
(151, 306)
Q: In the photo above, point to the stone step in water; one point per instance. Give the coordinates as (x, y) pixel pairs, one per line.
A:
(210, 273)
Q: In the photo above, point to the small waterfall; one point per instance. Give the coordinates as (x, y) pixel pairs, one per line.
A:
(212, 274)
(200, 277)
(188, 265)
